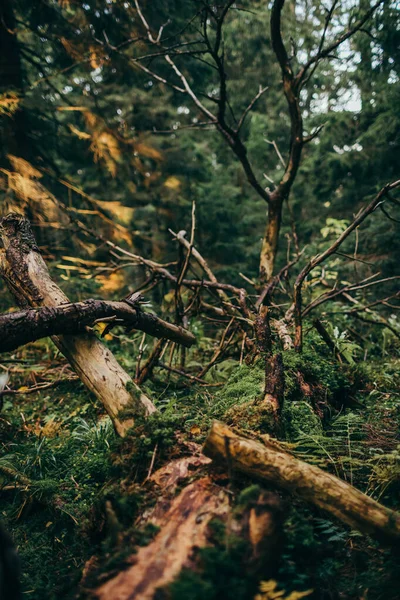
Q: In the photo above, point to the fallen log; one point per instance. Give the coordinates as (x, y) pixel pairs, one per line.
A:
(26, 275)
(19, 328)
(184, 528)
(269, 463)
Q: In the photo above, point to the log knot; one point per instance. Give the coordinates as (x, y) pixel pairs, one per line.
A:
(16, 231)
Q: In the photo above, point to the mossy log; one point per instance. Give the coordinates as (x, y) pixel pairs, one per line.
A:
(184, 521)
(269, 463)
(183, 529)
(26, 275)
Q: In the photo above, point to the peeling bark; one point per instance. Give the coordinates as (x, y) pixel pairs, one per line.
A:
(269, 247)
(184, 529)
(274, 386)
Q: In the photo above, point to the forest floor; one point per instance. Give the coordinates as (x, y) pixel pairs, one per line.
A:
(71, 490)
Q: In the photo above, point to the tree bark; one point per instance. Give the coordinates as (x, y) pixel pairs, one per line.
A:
(184, 528)
(19, 328)
(269, 463)
(269, 246)
(28, 278)
(274, 386)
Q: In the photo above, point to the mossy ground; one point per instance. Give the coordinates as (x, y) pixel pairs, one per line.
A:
(72, 490)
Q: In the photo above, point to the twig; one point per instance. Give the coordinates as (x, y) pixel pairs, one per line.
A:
(242, 119)
(187, 375)
(153, 458)
(140, 354)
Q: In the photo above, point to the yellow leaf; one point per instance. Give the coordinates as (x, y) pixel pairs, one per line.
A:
(195, 430)
(269, 591)
(96, 60)
(9, 102)
(72, 108)
(172, 183)
(123, 213)
(23, 167)
(23, 389)
(112, 282)
(148, 151)
(72, 50)
(100, 327)
(105, 148)
(73, 268)
(169, 297)
(83, 261)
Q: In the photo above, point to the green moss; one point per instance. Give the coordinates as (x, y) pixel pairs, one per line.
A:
(254, 415)
(245, 384)
(319, 369)
(300, 418)
(78, 464)
(222, 574)
(249, 495)
(133, 389)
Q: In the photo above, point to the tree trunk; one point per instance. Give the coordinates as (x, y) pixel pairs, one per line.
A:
(269, 246)
(183, 529)
(269, 463)
(274, 386)
(27, 277)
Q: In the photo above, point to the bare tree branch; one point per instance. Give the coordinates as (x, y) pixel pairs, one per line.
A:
(326, 52)
(319, 258)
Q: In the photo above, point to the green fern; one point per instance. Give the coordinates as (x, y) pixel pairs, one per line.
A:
(340, 446)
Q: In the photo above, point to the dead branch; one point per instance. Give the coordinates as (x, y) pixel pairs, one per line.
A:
(192, 378)
(250, 106)
(184, 521)
(22, 327)
(319, 258)
(348, 288)
(184, 527)
(27, 277)
(269, 463)
(181, 238)
(179, 308)
(326, 52)
(146, 371)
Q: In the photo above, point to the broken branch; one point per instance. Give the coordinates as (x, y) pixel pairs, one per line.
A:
(269, 463)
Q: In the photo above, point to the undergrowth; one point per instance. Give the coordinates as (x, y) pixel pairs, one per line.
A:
(72, 490)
